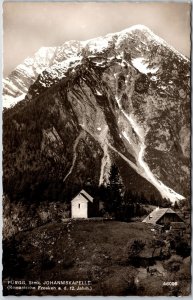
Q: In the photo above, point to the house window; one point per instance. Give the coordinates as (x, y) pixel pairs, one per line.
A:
(79, 205)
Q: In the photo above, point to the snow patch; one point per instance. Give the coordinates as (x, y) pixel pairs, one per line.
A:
(98, 93)
(106, 160)
(26, 69)
(123, 157)
(134, 124)
(139, 64)
(97, 45)
(9, 101)
(126, 136)
(74, 155)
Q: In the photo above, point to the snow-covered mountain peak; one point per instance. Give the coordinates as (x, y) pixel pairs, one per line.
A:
(135, 41)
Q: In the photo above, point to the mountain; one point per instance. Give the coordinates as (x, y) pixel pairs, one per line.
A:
(123, 98)
(18, 82)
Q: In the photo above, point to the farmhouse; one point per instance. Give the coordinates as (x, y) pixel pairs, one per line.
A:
(83, 206)
(162, 216)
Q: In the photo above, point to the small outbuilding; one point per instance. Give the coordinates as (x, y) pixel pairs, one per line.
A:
(163, 216)
(178, 227)
(82, 205)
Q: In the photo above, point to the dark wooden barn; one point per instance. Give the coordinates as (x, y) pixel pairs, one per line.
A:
(163, 216)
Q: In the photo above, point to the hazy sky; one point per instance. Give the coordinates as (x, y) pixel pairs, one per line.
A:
(29, 26)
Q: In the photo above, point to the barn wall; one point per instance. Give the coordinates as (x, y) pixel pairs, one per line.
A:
(79, 212)
(168, 218)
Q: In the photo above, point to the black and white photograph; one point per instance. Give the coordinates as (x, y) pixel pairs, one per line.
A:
(96, 148)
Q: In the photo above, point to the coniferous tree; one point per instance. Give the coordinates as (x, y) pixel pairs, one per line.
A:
(128, 197)
(153, 200)
(176, 206)
(115, 191)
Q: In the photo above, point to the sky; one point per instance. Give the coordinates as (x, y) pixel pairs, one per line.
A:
(29, 26)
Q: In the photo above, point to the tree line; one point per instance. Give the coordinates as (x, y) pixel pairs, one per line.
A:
(122, 203)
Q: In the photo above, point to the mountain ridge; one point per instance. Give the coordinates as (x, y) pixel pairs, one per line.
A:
(126, 109)
(34, 67)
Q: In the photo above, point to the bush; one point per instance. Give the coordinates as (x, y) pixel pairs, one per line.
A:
(180, 245)
(135, 247)
(183, 249)
(181, 276)
(14, 265)
(121, 284)
(173, 264)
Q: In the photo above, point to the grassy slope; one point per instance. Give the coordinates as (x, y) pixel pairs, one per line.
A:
(82, 250)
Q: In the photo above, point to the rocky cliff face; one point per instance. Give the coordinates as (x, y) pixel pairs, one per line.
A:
(122, 98)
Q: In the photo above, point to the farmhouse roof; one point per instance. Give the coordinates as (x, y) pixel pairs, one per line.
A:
(156, 215)
(85, 195)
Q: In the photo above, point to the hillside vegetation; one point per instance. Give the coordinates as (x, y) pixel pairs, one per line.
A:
(102, 252)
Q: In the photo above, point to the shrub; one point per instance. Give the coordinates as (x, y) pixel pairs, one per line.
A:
(135, 247)
(183, 249)
(121, 284)
(173, 264)
(180, 245)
